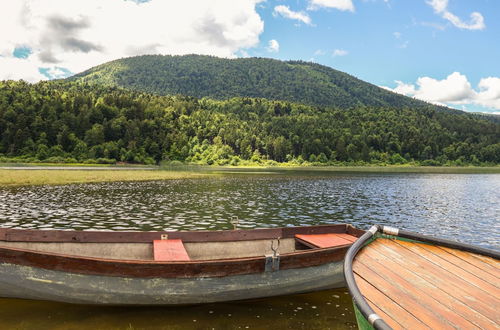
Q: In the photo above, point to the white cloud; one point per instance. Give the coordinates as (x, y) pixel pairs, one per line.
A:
(273, 46)
(80, 34)
(286, 12)
(319, 52)
(441, 7)
(345, 5)
(454, 89)
(397, 35)
(405, 89)
(489, 92)
(340, 52)
(16, 69)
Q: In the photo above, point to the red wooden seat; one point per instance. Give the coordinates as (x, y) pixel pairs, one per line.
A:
(169, 250)
(326, 240)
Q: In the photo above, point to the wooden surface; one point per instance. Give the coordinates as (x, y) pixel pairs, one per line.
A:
(169, 250)
(326, 240)
(31, 235)
(418, 286)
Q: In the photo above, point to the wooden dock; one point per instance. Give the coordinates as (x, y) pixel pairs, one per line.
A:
(413, 285)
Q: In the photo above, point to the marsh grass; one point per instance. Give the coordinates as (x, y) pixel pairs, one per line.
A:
(20, 177)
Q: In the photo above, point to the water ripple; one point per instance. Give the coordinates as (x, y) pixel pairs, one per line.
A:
(458, 206)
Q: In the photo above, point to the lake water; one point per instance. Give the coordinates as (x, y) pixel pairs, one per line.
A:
(464, 207)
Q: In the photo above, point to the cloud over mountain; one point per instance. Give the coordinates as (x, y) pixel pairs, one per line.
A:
(454, 89)
(76, 37)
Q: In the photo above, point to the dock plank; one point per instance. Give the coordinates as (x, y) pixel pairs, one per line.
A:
(406, 300)
(383, 305)
(459, 262)
(429, 252)
(479, 301)
(471, 258)
(448, 296)
(391, 322)
(487, 260)
(407, 289)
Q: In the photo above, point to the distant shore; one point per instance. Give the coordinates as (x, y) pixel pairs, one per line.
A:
(54, 174)
(24, 177)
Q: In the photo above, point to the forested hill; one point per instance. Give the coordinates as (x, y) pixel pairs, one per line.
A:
(218, 78)
(60, 121)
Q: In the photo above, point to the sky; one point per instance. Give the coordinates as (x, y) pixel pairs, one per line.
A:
(441, 51)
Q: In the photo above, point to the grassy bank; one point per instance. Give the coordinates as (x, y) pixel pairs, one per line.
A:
(20, 176)
(9, 177)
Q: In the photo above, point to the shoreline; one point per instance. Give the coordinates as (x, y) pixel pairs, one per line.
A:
(36, 177)
(11, 176)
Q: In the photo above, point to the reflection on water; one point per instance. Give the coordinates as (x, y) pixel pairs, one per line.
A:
(447, 205)
(464, 207)
(330, 309)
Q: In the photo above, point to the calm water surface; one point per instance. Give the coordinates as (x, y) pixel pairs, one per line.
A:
(456, 206)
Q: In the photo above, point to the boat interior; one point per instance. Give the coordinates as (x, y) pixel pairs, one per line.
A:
(180, 246)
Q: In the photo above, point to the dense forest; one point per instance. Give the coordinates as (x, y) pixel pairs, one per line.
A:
(219, 78)
(67, 121)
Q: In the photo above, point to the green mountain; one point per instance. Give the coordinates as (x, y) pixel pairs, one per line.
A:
(218, 78)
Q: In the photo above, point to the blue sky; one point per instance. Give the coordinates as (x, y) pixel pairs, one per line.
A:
(446, 52)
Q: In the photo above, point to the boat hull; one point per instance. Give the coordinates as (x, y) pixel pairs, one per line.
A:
(19, 281)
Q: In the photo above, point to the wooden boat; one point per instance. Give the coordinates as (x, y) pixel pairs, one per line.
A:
(399, 279)
(171, 268)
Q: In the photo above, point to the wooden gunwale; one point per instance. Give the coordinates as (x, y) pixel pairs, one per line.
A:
(172, 269)
(21, 235)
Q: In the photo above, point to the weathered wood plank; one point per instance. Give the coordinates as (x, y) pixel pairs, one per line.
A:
(407, 289)
(406, 300)
(488, 260)
(19, 235)
(169, 250)
(348, 237)
(471, 295)
(426, 251)
(445, 294)
(492, 268)
(323, 240)
(380, 302)
(391, 322)
(459, 262)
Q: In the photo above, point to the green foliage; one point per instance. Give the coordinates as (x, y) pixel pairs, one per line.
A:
(218, 78)
(60, 122)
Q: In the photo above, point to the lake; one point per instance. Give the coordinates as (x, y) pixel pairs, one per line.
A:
(463, 207)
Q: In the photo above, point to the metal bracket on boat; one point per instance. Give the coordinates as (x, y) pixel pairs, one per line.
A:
(164, 236)
(390, 230)
(273, 260)
(235, 221)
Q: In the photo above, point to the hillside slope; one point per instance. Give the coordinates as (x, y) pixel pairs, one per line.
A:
(218, 78)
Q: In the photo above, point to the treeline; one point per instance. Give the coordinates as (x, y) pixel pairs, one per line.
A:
(70, 122)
